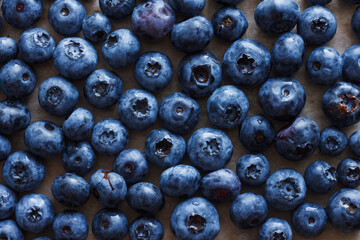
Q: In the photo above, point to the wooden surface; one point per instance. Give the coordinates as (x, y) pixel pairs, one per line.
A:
(343, 39)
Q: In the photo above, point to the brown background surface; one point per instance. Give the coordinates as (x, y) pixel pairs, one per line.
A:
(343, 39)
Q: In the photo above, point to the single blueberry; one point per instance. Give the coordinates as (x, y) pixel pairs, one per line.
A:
(348, 172)
(274, 229)
(188, 8)
(70, 225)
(117, 9)
(8, 202)
(20, 13)
(5, 148)
(354, 143)
(78, 158)
(333, 141)
(146, 228)
(109, 224)
(8, 49)
(96, 27)
(78, 125)
(14, 117)
(253, 169)
(320, 177)
(9, 230)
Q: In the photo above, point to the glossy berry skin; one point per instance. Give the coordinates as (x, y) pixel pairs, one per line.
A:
(282, 98)
(57, 96)
(102, 88)
(108, 187)
(317, 25)
(34, 213)
(275, 228)
(348, 172)
(150, 228)
(22, 172)
(354, 143)
(351, 69)
(66, 16)
(180, 181)
(8, 202)
(248, 210)
(70, 190)
(41, 238)
(18, 80)
(179, 113)
(220, 186)
(192, 35)
(247, 63)
(78, 125)
(354, 23)
(137, 109)
(36, 45)
(117, 9)
(44, 139)
(200, 74)
(288, 54)
(9, 230)
(298, 140)
(277, 16)
(78, 158)
(324, 66)
(309, 220)
(320, 177)
(121, 48)
(153, 71)
(195, 218)
(109, 224)
(70, 225)
(14, 117)
(209, 149)
(145, 198)
(256, 133)
(131, 164)
(229, 24)
(8, 49)
(340, 104)
(109, 137)
(285, 189)
(5, 148)
(333, 141)
(253, 169)
(96, 27)
(343, 210)
(75, 58)
(227, 107)
(188, 8)
(21, 14)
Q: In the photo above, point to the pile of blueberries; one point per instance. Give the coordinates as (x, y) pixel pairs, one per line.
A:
(246, 63)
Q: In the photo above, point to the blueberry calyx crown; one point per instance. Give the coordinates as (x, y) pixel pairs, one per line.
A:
(34, 214)
(289, 188)
(227, 22)
(246, 64)
(163, 147)
(348, 103)
(196, 223)
(152, 68)
(319, 25)
(74, 50)
(278, 235)
(201, 76)
(54, 95)
(42, 39)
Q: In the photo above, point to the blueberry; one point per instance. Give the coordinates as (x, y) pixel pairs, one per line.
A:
(164, 149)
(343, 210)
(66, 16)
(253, 169)
(320, 177)
(8, 49)
(23, 172)
(8, 202)
(57, 96)
(137, 109)
(14, 117)
(153, 71)
(34, 213)
(277, 16)
(188, 8)
(109, 224)
(96, 27)
(78, 125)
(209, 149)
(256, 133)
(180, 181)
(179, 113)
(108, 187)
(18, 80)
(309, 220)
(44, 139)
(117, 9)
(36, 45)
(131, 164)
(5, 148)
(103, 88)
(200, 74)
(195, 218)
(247, 63)
(248, 210)
(333, 141)
(354, 143)
(78, 158)
(121, 48)
(9, 230)
(229, 24)
(220, 186)
(70, 225)
(192, 35)
(70, 190)
(354, 22)
(285, 189)
(340, 104)
(348, 172)
(21, 14)
(275, 228)
(324, 66)
(146, 228)
(109, 137)
(351, 68)
(317, 25)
